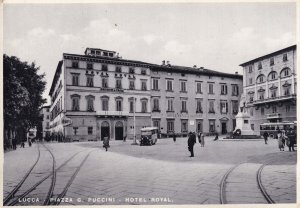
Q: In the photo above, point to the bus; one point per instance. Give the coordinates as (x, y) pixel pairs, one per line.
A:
(272, 128)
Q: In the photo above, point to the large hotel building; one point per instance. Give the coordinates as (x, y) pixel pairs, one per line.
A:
(100, 94)
(269, 86)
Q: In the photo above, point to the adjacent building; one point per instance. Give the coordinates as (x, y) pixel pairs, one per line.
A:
(45, 113)
(185, 99)
(269, 85)
(100, 94)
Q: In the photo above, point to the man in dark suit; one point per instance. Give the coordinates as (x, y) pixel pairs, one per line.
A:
(191, 143)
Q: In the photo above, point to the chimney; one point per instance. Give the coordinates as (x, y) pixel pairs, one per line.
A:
(168, 63)
(236, 73)
(163, 62)
(195, 66)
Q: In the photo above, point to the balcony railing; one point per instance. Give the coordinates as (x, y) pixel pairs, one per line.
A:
(273, 115)
(112, 113)
(275, 99)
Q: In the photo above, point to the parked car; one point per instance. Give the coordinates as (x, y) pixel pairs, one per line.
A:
(149, 136)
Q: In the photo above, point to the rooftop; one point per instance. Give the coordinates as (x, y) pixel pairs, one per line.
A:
(269, 55)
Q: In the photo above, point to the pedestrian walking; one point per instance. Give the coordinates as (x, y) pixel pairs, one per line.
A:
(291, 139)
(202, 140)
(217, 136)
(174, 137)
(14, 144)
(280, 143)
(199, 137)
(106, 143)
(266, 135)
(29, 142)
(23, 144)
(191, 143)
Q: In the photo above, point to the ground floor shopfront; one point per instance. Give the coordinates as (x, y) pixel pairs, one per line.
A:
(87, 128)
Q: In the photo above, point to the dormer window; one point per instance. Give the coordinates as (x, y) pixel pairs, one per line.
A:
(89, 66)
(143, 71)
(118, 69)
(110, 54)
(92, 51)
(105, 53)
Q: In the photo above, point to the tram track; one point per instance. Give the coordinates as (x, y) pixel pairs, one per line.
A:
(260, 187)
(15, 200)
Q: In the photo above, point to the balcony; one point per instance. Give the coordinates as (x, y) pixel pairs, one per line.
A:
(273, 115)
(112, 113)
(275, 99)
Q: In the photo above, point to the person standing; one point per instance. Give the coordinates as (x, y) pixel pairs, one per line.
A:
(191, 143)
(106, 143)
(291, 137)
(280, 143)
(202, 140)
(174, 137)
(265, 135)
(199, 137)
(217, 136)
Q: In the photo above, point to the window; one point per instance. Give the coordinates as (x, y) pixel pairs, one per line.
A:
(199, 106)
(250, 69)
(104, 67)
(89, 80)
(223, 89)
(223, 107)
(170, 105)
(143, 71)
(131, 85)
(89, 66)
(261, 95)
(90, 103)
(131, 106)
(75, 129)
(211, 106)
(110, 54)
(273, 75)
(287, 108)
(262, 111)
(287, 90)
(104, 83)
(274, 109)
(284, 58)
(131, 70)
(118, 69)
(184, 126)
(75, 102)
(90, 130)
(183, 106)
(259, 65)
(47, 125)
(155, 105)
(118, 83)
(155, 84)
(272, 61)
(285, 72)
(273, 93)
(47, 117)
(250, 81)
(251, 97)
(144, 106)
(235, 106)
(199, 125)
(199, 87)
(211, 125)
(105, 54)
(47, 110)
(75, 79)
(210, 88)
(235, 90)
(169, 85)
(183, 86)
(260, 78)
(252, 127)
(251, 111)
(144, 85)
(170, 125)
(75, 64)
(118, 105)
(105, 104)
(156, 123)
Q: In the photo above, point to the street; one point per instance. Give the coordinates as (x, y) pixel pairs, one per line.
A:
(159, 174)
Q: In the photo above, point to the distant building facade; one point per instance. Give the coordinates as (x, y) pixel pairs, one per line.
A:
(99, 94)
(45, 113)
(185, 99)
(269, 85)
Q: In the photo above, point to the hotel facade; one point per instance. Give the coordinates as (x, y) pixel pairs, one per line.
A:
(269, 86)
(100, 94)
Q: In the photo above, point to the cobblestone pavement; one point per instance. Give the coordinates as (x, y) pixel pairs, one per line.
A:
(161, 174)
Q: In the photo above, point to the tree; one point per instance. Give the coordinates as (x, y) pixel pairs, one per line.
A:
(23, 88)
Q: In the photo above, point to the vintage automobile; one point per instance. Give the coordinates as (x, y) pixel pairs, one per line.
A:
(148, 136)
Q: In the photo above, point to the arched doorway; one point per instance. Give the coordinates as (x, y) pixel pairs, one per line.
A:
(119, 130)
(104, 129)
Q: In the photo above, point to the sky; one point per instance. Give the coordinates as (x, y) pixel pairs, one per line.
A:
(217, 36)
